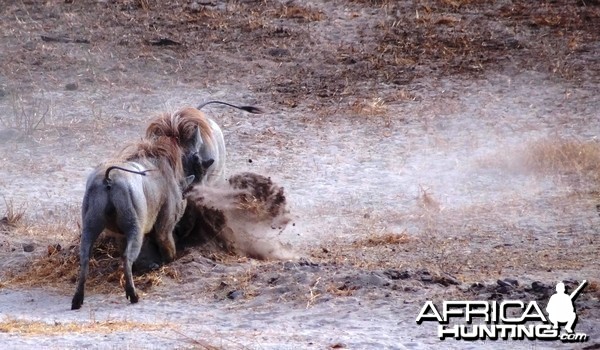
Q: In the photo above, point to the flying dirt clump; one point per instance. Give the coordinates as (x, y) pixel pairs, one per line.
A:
(243, 217)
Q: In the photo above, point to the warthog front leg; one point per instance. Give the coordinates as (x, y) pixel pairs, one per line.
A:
(163, 229)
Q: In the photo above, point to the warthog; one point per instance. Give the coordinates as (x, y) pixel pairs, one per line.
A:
(190, 124)
(134, 194)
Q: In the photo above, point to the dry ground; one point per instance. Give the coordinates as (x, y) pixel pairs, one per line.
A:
(428, 149)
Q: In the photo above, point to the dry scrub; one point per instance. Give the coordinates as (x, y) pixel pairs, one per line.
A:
(12, 215)
(576, 159)
(58, 268)
(34, 328)
(382, 240)
(40, 328)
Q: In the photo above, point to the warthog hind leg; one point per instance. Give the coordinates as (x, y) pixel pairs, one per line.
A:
(132, 250)
(93, 225)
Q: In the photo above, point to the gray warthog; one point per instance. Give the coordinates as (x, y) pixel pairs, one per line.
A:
(190, 124)
(137, 193)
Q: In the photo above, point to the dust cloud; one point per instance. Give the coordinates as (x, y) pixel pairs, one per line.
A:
(243, 216)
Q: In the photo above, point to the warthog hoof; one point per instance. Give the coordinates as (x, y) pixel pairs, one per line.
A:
(132, 295)
(77, 301)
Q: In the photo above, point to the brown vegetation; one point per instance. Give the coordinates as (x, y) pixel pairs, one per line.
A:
(12, 215)
(33, 328)
(579, 160)
(59, 266)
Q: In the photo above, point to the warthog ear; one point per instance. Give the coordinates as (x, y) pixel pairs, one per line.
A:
(187, 182)
(196, 140)
(207, 163)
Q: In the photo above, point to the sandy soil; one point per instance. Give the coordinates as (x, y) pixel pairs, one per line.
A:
(424, 147)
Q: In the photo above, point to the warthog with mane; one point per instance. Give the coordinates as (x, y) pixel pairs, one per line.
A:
(138, 192)
(189, 124)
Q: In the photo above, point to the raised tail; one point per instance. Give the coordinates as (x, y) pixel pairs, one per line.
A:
(142, 172)
(249, 109)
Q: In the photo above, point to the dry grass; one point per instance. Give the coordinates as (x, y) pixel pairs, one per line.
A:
(13, 215)
(471, 244)
(28, 327)
(427, 201)
(252, 205)
(468, 259)
(58, 268)
(340, 290)
(594, 288)
(198, 343)
(313, 293)
(382, 240)
(238, 280)
(40, 328)
(574, 161)
(369, 108)
(373, 2)
(445, 38)
(413, 40)
(28, 114)
(579, 159)
(307, 14)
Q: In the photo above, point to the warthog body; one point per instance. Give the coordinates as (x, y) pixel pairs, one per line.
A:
(138, 193)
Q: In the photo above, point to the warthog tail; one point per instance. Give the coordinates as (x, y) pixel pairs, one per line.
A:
(107, 179)
(249, 109)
